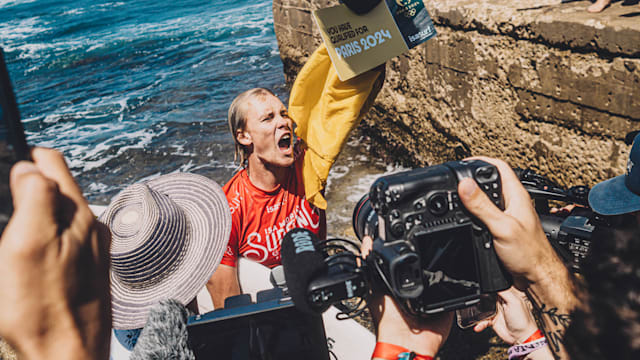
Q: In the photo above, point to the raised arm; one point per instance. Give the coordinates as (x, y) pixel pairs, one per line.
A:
(325, 110)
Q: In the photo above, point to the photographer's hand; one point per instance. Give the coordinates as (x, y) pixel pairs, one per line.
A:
(565, 210)
(422, 336)
(514, 323)
(54, 266)
(525, 251)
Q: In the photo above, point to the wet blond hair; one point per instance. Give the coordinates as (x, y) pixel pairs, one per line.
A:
(237, 118)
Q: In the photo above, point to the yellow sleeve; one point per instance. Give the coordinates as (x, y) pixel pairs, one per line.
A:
(325, 111)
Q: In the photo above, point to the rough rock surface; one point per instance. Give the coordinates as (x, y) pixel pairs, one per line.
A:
(538, 83)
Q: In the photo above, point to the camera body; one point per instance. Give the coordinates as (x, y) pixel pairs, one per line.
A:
(426, 199)
(570, 235)
(432, 253)
(343, 279)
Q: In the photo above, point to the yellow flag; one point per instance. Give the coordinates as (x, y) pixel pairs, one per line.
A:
(325, 111)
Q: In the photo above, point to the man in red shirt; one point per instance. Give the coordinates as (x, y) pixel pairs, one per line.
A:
(261, 217)
(267, 197)
(281, 185)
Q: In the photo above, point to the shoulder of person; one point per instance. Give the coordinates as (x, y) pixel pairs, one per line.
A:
(234, 182)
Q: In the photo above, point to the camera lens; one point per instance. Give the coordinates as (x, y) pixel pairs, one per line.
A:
(438, 204)
(365, 219)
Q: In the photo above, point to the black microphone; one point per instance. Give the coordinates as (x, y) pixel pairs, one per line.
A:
(302, 262)
(165, 335)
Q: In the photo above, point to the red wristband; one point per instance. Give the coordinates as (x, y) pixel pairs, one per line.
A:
(394, 352)
(535, 336)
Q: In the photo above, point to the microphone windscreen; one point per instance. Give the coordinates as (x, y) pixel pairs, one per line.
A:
(301, 262)
(165, 335)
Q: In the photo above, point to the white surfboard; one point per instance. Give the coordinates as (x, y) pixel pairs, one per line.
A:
(97, 209)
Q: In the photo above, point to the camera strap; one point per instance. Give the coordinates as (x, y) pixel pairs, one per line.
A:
(394, 352)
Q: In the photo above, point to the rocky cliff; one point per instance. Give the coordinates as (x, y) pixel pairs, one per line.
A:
(538, 83)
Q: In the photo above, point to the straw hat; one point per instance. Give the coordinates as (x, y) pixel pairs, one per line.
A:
(168, 236)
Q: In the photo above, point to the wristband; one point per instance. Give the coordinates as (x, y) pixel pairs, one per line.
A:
(535, 336)
(517, 351)
(394, 352)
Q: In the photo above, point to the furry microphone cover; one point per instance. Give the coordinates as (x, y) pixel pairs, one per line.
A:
(165, 335)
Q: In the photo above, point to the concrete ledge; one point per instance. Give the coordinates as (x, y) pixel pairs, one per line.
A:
(538, 83)
(614, 32)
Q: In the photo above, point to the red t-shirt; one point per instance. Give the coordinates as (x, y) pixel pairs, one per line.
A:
(261, 218)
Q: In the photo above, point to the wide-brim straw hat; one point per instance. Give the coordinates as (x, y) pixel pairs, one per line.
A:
(168, 237)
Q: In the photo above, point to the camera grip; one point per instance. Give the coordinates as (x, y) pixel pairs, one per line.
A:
(493, 276)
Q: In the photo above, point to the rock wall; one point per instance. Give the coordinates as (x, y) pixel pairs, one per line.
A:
(537, 83)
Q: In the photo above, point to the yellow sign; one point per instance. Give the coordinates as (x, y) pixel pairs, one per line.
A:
(357, 43)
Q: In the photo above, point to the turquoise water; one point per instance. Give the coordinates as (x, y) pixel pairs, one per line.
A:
(131, 89)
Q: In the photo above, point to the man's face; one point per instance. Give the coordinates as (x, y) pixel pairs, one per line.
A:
(269, 130)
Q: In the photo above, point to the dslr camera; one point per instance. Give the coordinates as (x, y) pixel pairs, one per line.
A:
(569, 234)
(428, 250)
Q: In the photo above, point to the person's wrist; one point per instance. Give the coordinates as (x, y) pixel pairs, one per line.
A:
(70, 347)
(529, 347)
(418, 335)
(60, 338)
(534, 335)
(524, 336)
(546, 263)
(419, 343)
(388, 351)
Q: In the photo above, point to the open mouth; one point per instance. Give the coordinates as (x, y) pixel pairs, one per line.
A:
(285, 142)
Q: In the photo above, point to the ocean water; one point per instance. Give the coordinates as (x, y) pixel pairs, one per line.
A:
(128, 90)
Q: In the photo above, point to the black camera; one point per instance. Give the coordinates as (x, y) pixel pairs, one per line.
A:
(570, 237)
(430, 252)
(569, 234)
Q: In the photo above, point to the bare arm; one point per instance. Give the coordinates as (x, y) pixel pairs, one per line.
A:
(223, 283)
(554, 298)
(423, 336)
(526, 253)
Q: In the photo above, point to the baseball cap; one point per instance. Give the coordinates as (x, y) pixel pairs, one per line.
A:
(621, 194)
